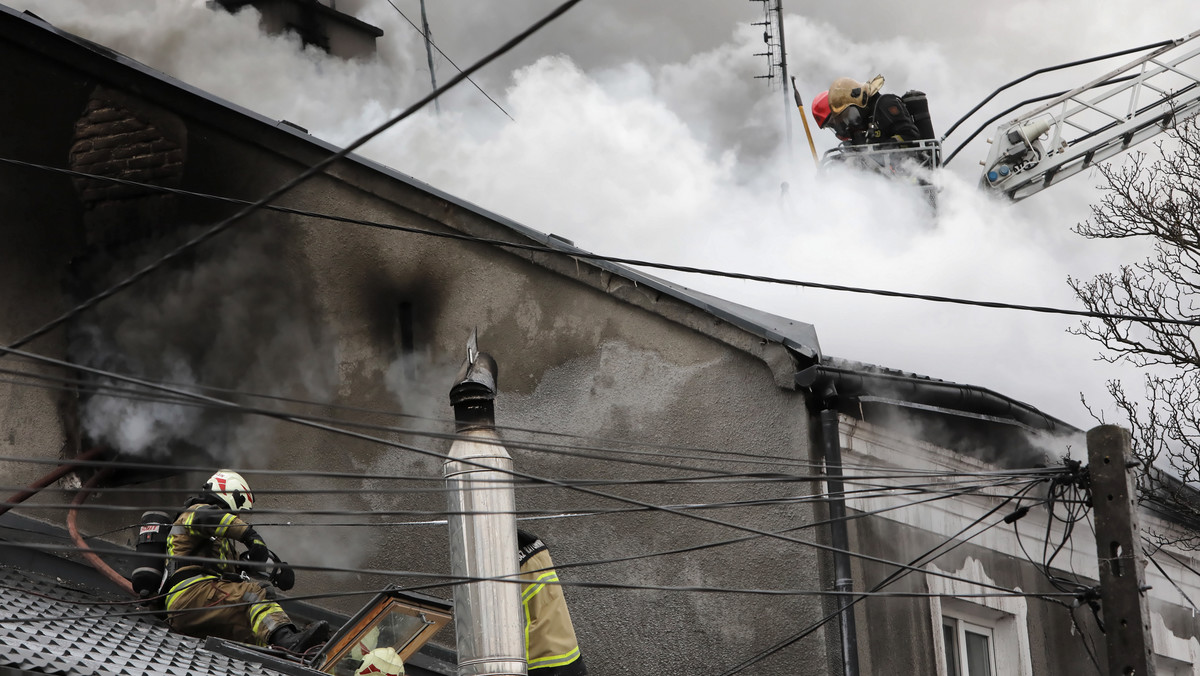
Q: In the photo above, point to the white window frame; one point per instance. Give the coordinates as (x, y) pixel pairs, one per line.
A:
(1006, 616)
(961, 626)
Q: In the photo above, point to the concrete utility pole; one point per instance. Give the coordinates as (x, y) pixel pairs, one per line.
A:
(1119, 553)
(488, 619)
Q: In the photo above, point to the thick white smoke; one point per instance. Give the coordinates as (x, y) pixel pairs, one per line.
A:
(641, 131)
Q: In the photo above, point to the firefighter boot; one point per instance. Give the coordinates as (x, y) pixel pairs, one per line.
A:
(299, 641)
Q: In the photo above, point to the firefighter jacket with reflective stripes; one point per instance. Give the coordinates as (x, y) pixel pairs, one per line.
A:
(551, 648)
(208, 598)
(208, 531)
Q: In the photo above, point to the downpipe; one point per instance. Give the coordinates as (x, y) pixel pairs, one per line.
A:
(839, 537)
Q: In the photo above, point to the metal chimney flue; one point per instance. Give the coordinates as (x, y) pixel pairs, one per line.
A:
(488, 619)
(474, 392)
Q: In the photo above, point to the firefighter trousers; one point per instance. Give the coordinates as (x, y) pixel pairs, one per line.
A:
(207, 605)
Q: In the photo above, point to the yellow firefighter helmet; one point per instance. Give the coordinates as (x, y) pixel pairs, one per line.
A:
(846, 92)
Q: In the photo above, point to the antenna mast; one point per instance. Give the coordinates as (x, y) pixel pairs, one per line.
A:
(776, 66)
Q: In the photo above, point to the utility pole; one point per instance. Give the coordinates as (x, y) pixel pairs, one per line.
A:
(1119, 552)
(437, 108)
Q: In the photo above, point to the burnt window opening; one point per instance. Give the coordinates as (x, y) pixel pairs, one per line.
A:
(405, 341)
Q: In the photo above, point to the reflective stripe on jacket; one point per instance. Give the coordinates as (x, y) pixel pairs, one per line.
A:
(551, 648)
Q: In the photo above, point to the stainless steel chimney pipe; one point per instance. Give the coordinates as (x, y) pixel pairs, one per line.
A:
(483, 529)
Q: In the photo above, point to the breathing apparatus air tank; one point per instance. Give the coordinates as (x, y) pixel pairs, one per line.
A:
(918, 107)
(152, 544)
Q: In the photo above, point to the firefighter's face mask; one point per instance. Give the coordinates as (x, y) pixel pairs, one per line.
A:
(847, 122)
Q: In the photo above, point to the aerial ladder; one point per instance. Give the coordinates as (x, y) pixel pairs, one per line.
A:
(1096, 121)
(1071, 131)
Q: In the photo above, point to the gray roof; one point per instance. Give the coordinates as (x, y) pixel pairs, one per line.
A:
(52, 628)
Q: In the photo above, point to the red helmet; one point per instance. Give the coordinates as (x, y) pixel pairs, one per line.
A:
(820, 108)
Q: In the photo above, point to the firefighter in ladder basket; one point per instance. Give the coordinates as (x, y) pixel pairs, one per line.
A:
(861, 113)
(216, 598)
(879, 132)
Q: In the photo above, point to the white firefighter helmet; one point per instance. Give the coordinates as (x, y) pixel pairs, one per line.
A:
(229, 487)
(382, 661)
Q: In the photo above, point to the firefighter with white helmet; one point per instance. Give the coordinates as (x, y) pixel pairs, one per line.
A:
(860, 113)
(205, 593)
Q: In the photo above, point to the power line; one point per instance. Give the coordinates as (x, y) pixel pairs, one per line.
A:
(545, 512)
(580, 489)
(429, 41)
(457, 581)
(584, 255)
(900, 572)
(779, 536)
(190, 398)
(447, 580)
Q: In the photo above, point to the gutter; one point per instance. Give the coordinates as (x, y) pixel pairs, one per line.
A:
(933, 395)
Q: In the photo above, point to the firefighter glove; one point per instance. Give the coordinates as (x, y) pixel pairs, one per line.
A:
(258, 552)
(284, 577)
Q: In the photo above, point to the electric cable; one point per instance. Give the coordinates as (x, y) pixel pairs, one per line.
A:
(446, 579)
(1087, 647)
(935, 487)
(584, 255)
(113, 391)
(721, 543)
(894, 576)
(865, 557)
(226, 405)
(869, 490)
(344, 594)
(1040, 71)
(522, 514)
(313, 170)
(1150, 557)
(585, 490)
(635, 262)
(1026, 102)
(439, 51)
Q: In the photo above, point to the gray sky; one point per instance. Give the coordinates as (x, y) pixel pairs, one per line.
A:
(641, 132)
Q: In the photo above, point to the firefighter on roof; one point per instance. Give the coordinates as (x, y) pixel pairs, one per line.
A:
(859, 113)
(550, 645)
(212, 598)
